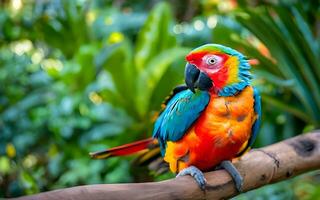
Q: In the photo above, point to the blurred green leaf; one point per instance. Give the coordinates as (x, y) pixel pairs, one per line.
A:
(4, 165)
(117, 59)
(29, 183)
(85, 58)
(282, 34)
(155, 36)
(296, 111)
(60, 22)
(150, 77)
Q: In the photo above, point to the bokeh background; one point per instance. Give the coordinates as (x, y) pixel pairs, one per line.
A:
(81, 75)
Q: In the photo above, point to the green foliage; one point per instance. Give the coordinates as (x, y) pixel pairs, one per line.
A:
(141, 70)
(287, 35)
(58, 22)
(72, 98)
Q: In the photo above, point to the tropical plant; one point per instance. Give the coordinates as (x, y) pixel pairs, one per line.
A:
(72, 97)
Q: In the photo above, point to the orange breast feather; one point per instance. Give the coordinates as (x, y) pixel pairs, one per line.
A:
(219, 133)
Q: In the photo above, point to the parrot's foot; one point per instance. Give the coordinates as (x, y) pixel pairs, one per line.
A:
(234, 173)
(196, 174)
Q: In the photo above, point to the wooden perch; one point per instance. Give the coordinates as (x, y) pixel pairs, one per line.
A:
(259, 167)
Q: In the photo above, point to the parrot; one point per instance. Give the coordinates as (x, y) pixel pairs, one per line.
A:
(206, 123)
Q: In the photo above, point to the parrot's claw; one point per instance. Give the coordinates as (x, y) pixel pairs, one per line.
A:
(196, 174)
(234, 173)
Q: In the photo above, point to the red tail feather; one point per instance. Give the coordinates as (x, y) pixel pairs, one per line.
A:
(123, 150)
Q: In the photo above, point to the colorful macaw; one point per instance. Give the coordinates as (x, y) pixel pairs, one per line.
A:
(208, 122)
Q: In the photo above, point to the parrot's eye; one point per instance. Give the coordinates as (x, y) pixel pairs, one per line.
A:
(211, 60)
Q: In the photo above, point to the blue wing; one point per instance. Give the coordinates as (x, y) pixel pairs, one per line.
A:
(257, 110)
(181, 111)
(256, 125)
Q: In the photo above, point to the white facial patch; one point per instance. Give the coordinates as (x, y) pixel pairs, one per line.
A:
(213, 63)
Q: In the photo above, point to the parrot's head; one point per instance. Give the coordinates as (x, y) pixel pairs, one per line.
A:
(218, 69)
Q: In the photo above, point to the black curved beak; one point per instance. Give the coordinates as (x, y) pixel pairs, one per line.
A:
(195, 78)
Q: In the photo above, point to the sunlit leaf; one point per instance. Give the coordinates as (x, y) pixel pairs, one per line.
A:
(155, 36)
(152, 74)
(117, 59)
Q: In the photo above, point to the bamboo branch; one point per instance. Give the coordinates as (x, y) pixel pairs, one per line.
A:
(259, 167)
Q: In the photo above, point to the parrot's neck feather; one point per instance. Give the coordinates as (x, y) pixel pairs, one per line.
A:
(233, 89)
(244, 78)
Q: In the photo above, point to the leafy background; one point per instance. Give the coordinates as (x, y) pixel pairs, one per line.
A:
(78, 76)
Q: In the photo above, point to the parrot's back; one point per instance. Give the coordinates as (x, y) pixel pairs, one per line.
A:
(220, 133)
